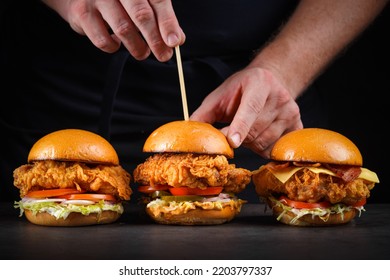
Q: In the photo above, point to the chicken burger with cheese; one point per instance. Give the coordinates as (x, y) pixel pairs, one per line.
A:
(73, 178)
(187, 179)
(315, 178)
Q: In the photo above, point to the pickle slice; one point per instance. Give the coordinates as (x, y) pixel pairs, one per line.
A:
(157, 194)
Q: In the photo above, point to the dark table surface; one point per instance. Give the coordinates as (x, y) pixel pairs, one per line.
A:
(254, 234)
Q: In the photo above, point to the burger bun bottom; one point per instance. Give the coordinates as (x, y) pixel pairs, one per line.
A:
(196, 217)
(309, 220)
(74, 219)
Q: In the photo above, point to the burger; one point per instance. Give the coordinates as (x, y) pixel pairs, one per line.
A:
(187, 179)
(73, 178)
(315, 178)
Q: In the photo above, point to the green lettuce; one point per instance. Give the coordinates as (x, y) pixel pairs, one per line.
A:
(322, 213)
(62, 210)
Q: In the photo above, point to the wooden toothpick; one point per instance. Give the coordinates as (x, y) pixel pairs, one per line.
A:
(182, 86)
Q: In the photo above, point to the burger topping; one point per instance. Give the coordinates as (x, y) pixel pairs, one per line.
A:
(151, 189)
(51, 193)
(90, 197)
(180, 190)
(182, 198)
(309, 184)
(196, 191)
(49, 174)
(168, 193)
(322, 212)
(61, 202)
(345, 172)
(160, 206)
(304, 205)
(192, 171)
(284, 172)
(61, 208)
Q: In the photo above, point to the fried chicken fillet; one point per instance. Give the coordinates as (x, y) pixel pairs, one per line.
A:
(50, 174)
(192, 170)
(309, 186)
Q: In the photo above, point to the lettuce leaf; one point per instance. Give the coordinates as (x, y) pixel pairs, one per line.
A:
(322, 213)
(62, 210)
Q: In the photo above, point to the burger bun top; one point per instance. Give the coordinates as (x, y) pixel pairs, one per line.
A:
(316, 145)
(186, 136)
(74, 145)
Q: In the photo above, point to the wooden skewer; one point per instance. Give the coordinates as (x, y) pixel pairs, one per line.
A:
(182, 86)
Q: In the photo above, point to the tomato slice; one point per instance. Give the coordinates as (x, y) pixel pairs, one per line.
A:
(51, 193)
(151, 189)
(360, 203)
(89, 196)
(195, 191)
(304, 205)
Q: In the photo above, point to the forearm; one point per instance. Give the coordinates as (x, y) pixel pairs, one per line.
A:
(315, 34)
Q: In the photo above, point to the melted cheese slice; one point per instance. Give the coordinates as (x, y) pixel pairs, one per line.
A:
(286, 173)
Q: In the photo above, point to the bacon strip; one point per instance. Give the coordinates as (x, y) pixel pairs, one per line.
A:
(346, 172)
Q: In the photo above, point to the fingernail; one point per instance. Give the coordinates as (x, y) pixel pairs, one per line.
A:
(236, 139)
(173, 40)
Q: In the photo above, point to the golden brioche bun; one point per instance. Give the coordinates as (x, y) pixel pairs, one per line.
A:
(316, 145)
(74, 145)
(188, 137)
(309, 220)
(196, 216)
(74, 219)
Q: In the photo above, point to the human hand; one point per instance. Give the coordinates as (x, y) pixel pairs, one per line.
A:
(142, 26)
(259, 108)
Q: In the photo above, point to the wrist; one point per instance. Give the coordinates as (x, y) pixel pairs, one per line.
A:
(281, 60)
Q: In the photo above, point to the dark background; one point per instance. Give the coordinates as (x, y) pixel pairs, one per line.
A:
(357, 85)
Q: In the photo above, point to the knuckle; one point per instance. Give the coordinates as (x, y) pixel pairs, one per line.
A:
(123, 29)
(79, 8)
(104, 43)
(142, 13)
(242, 127)
(156, 43)
(293, 113)
(157, 2)
(78, 13)
(283, 97)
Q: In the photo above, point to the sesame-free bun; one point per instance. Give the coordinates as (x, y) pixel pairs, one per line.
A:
(74, 145)
(310, 220)
(196, 216)
(188, 137)
(316, 145)
(74, 219)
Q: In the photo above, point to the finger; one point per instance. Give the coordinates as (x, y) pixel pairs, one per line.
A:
(266, 152)
(167, 22)
(245, 117)
(124, 29)
(145, 20)
(262, 144)
(95, 28)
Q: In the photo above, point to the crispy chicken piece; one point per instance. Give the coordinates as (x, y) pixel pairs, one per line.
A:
(48, 174)
(191, 170)
(306, 185)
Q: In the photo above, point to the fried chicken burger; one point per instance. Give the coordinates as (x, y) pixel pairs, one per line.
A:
(73, 178)
(315, 178)
(187, 180)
